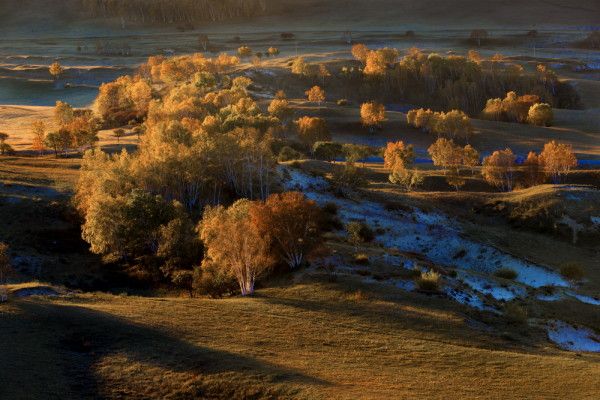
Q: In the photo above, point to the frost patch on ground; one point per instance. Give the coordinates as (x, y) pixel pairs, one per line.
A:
(571, 338)
(468, 299)
(432, 235)
(548, 297)
(585, 299)
(492, 288)
(35, 291)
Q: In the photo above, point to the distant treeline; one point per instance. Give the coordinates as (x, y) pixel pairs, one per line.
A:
(173, 11)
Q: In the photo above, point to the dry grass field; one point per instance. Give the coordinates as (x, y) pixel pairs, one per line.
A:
(308, 340)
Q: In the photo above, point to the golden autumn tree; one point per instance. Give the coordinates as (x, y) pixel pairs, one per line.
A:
(38, 129)
(446, 154)
(399, 159)
(233, 243)
(290, 221)
(315, 94)
(372, 114)
(498, 169)
(360, 52)
(558, 159)
(56, 70)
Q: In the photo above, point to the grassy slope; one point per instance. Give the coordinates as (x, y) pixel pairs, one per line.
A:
(312, 340)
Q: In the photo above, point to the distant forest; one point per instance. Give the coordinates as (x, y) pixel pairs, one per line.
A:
(173, 11)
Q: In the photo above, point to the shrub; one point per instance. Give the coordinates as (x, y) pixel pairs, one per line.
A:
(342, 102)
(572, 271)
(288, 154)
(515, 313)
(429, 281)
(361, 258)
(359, 232)
(540, 114)
(209, 280)
(506, 273)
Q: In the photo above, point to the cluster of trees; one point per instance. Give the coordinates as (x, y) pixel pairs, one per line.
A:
(452, 82)
(555, 160)
(77, 129)
(247, 238)
(454, 124)
(522, 109)
(206, 144)
(173, 11)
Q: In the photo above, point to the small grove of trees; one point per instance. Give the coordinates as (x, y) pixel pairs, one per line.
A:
(522, 109)
(558, 159)
(554, 162)
(446, 154)
(399, 159)
(372, 114)
(123, 100)
(78, 129)
(454, 124)
(315, 95)
(375, 62)
(249, 238)
(446, 82)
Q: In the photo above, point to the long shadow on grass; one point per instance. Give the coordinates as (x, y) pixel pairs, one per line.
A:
(406, 312)
(86, 336)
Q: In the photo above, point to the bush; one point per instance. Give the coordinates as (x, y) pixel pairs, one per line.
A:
(572, 271)
(212, 281)
(342, 102)
(506, 273)
(515, 313)
(359, 232)
(429, 281)
(361, 258)
(288, 154)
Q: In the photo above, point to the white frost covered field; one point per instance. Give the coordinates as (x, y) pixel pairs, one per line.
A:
(571, 338)
(440, 240)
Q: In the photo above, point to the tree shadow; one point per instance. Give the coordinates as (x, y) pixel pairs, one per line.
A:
(86, 336)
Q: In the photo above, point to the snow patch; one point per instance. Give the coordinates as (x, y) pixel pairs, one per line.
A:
(492, 288)
(571, 338)
(585, 299)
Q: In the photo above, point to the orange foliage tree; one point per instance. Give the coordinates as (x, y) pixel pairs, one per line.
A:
(558, 159)
(372, 114)
(290, 221)
(315, 94)
(498, 169)
(233, 243)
